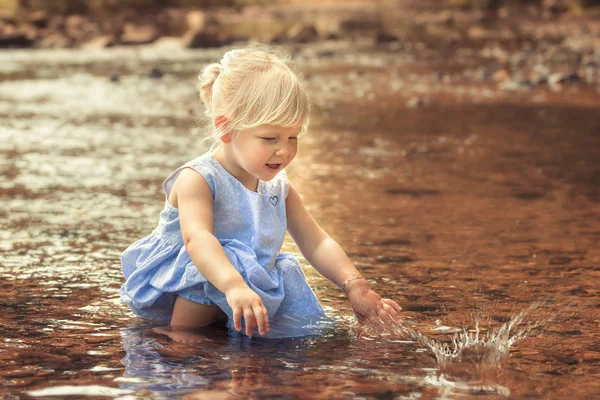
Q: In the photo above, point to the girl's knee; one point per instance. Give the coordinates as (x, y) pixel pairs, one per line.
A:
(189, 315)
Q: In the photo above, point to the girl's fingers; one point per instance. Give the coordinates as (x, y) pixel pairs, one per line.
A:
(375, 321)
(379, 322)
(392, 312)
(250, 321)
(386, 318)
(394, 305)
(361, 318)
(267, 323)
(262, 319)
(381, 314)
(237, 319)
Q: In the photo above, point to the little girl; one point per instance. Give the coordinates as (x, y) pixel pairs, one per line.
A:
(216, 249)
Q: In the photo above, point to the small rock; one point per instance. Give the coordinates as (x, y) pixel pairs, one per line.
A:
(31, 31)
(99, 42)
(156, 73)
(55, 40)
(16, 39)
(39, 19)
(75, 25)
(328, 26)
(325, 53)
(115, 78)
(511, 86)
(540, 80)
(206, 38)
(500, 76)
(476, 33)
(558, 78)
(171, 42)
(196, 20)
(527, 84)
(417, 102)
(302, 33)
(138, 34)
(446, 18)
(384, 37)
(556, 6)
(361, 24)
(573, 77)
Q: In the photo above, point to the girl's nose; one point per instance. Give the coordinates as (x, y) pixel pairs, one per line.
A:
(283, 150)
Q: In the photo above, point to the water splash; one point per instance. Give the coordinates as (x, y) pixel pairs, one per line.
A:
(473, 345)
(478, 346)
(472, 359)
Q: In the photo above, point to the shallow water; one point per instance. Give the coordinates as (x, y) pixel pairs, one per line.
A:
(467, 211)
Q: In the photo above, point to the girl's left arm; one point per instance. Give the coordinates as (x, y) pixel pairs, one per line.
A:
(327, 257)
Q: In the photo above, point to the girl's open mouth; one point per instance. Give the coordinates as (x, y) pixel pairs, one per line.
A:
(273, 167)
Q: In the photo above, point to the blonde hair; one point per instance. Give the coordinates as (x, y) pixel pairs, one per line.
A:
(251, 87)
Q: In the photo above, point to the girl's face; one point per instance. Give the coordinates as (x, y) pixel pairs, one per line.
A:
(265, 150)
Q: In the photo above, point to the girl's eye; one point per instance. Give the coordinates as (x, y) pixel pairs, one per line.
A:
(293, 137)
(268, 139)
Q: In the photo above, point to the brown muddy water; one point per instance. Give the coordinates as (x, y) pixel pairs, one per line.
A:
(476, 208)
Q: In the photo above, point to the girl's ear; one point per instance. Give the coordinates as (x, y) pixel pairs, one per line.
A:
(226, 138)
(222, 124)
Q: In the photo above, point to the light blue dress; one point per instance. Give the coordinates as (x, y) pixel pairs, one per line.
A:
(251, 227)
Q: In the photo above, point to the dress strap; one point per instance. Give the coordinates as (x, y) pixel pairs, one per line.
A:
(202, 165)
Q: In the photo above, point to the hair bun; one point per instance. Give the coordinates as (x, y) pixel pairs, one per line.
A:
(207, 80)
(227, 57)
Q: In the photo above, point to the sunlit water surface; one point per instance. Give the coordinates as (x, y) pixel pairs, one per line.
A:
(479, 215)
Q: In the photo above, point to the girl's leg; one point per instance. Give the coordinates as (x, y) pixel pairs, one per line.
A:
(189, 315)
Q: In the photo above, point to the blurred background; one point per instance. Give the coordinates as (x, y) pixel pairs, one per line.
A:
(206, 23)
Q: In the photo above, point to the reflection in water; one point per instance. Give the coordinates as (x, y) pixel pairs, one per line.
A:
(451, 389)
(219, 360)
(145, 368)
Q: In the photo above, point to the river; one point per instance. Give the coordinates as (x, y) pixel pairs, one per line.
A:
(466, 203)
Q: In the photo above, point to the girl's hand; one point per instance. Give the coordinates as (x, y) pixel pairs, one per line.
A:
(370, 308)
(244, 301)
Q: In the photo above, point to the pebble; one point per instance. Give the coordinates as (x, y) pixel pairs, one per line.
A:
(156, 73)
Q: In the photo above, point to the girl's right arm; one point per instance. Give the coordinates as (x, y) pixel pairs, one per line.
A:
(195, 203)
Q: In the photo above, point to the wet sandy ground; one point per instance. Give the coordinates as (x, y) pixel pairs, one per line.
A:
(456, 199)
